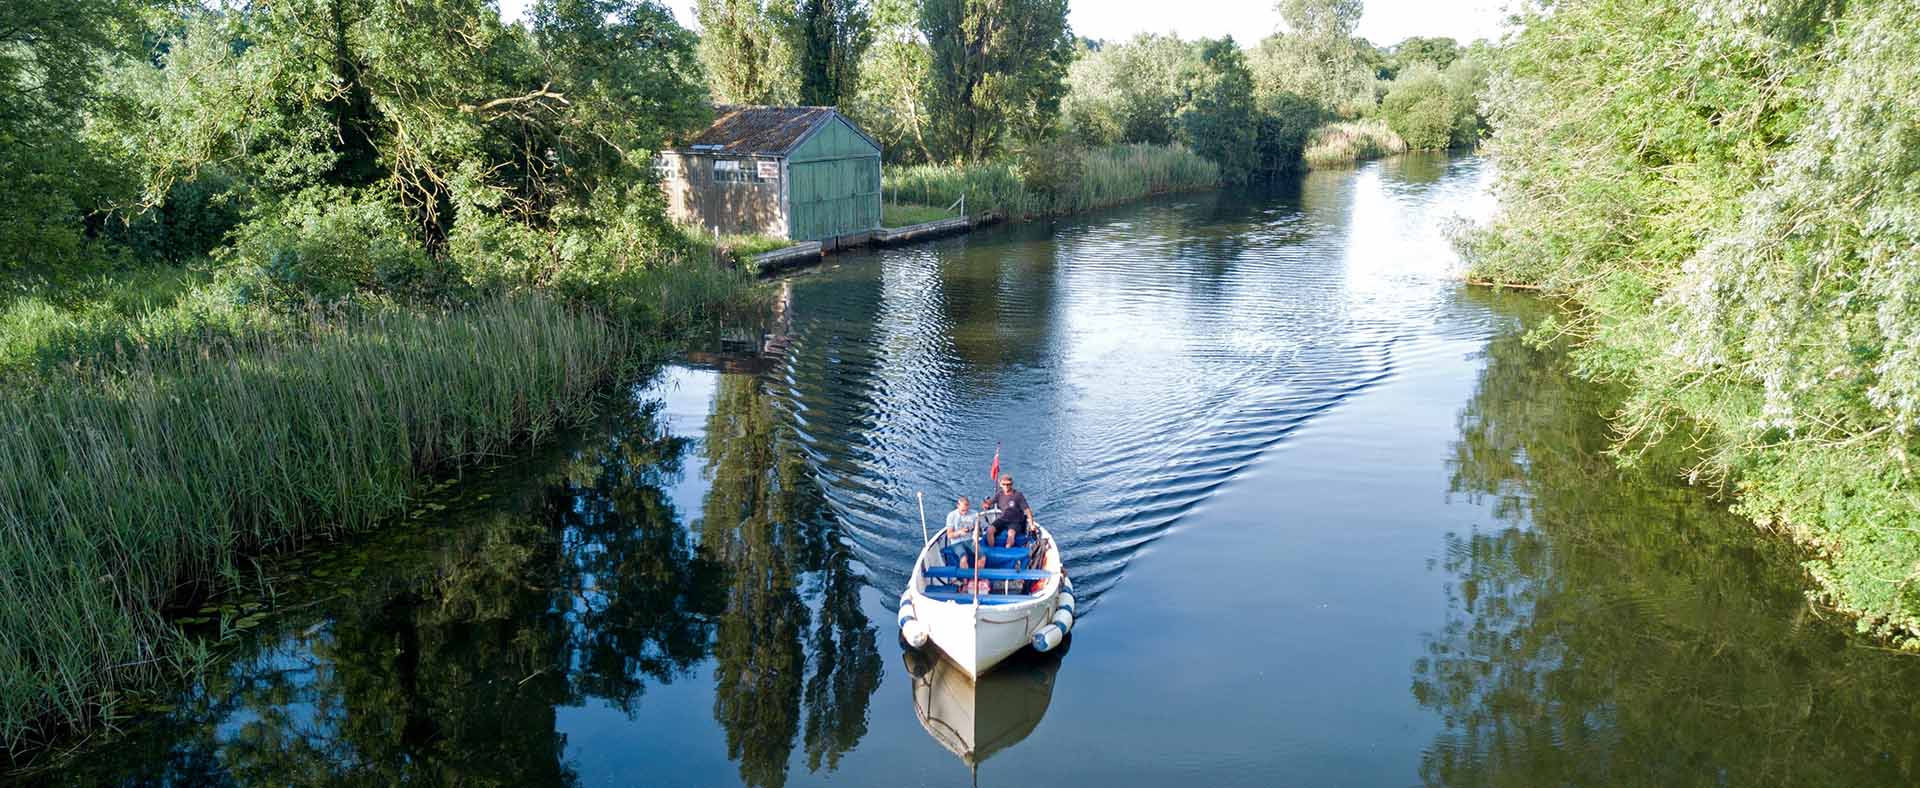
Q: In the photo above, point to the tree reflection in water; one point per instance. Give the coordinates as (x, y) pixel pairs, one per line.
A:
(440, 653)
(1612, 615)
(764, 520)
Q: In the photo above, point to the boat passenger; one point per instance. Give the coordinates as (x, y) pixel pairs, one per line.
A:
(1015, 515)
(960, 537)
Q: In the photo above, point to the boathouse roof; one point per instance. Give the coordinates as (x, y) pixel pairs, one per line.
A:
(762, 131)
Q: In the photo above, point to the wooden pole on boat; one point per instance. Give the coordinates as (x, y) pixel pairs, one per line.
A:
(924, 538)
(979, 557)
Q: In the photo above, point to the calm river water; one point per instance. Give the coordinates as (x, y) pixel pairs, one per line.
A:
(1332, 522)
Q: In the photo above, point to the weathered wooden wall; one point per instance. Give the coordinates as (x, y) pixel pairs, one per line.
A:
(695, 196)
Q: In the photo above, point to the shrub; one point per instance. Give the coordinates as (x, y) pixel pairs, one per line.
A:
(327, 243)
(1051, 169)
(1286, 121)
(1423, 110)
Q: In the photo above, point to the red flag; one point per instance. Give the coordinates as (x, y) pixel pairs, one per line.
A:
(994, 474)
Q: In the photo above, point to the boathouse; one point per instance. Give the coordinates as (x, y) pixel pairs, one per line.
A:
(803, 173)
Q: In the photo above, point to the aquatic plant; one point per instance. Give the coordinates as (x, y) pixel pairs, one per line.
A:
(1346, 142)
(153, 468)
(1108, 176)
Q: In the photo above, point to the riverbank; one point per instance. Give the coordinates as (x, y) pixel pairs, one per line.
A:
(1742, 256)
(163, 430)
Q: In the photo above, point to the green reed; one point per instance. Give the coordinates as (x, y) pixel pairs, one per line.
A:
(154, 468)
(1346, 142)
(1108, 176)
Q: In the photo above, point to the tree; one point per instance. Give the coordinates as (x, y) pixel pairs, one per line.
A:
(1438, 52)
(1424, 111)
(1220, 123)
(891, 101)
(1332, 20)
(52, 181)
(1129, 92)
(1319, 58)
(830, 36)
(998, 68)
(747, 47)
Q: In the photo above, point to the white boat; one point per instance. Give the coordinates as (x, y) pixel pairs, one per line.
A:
(1028, 602)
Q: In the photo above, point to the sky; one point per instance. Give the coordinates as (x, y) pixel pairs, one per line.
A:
(1385, 21)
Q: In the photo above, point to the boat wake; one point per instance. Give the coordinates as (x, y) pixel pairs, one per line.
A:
(1126, 369)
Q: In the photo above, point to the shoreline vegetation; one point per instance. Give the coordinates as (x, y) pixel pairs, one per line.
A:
(1727, 201)
(136, 479)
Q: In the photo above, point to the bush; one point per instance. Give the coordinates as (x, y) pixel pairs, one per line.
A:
(327, 243)
(1422, 110)
(1286, 121)
(1731, 201)
(1051, 169)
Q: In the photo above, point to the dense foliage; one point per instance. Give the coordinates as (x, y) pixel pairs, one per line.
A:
(997, 70)
(1731, 199)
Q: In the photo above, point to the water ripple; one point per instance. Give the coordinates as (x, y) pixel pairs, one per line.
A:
(1128, 368)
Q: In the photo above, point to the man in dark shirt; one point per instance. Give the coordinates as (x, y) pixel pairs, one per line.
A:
(1015, 514)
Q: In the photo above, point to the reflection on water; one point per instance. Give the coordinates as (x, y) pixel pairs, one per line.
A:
(1612, 627)
(975, 719)
(1296, 467)
(442, 654)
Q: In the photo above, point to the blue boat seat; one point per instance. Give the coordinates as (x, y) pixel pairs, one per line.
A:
(1005, 557)
(985, 599)
(961, 573)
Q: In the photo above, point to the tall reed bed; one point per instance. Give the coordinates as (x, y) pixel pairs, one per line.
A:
(159, 466)
(1106, 176)
(1346, 142)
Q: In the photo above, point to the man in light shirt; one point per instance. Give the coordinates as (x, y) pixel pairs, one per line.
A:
(960, 529)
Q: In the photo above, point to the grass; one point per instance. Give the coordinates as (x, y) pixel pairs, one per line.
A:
(1107, 176)
(908, 214)
(745, 246)
(159, 465)
(41, 330)
(1343, 143)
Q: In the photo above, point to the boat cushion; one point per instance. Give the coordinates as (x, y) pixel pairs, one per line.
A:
(1005, 557)
(985, 599)
(959, 573)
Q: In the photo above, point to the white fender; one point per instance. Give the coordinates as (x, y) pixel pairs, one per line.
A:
(1063, 618)
(915, 632)
(1048, 637)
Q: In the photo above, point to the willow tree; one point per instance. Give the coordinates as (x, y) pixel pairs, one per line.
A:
(998, 68)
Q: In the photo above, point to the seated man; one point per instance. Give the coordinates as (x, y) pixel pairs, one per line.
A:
(960, 549)
(1016, 517)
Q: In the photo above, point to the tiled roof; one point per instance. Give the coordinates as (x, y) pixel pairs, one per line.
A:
(768, 131)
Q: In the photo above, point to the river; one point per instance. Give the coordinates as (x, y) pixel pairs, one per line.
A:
(1332, 522)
